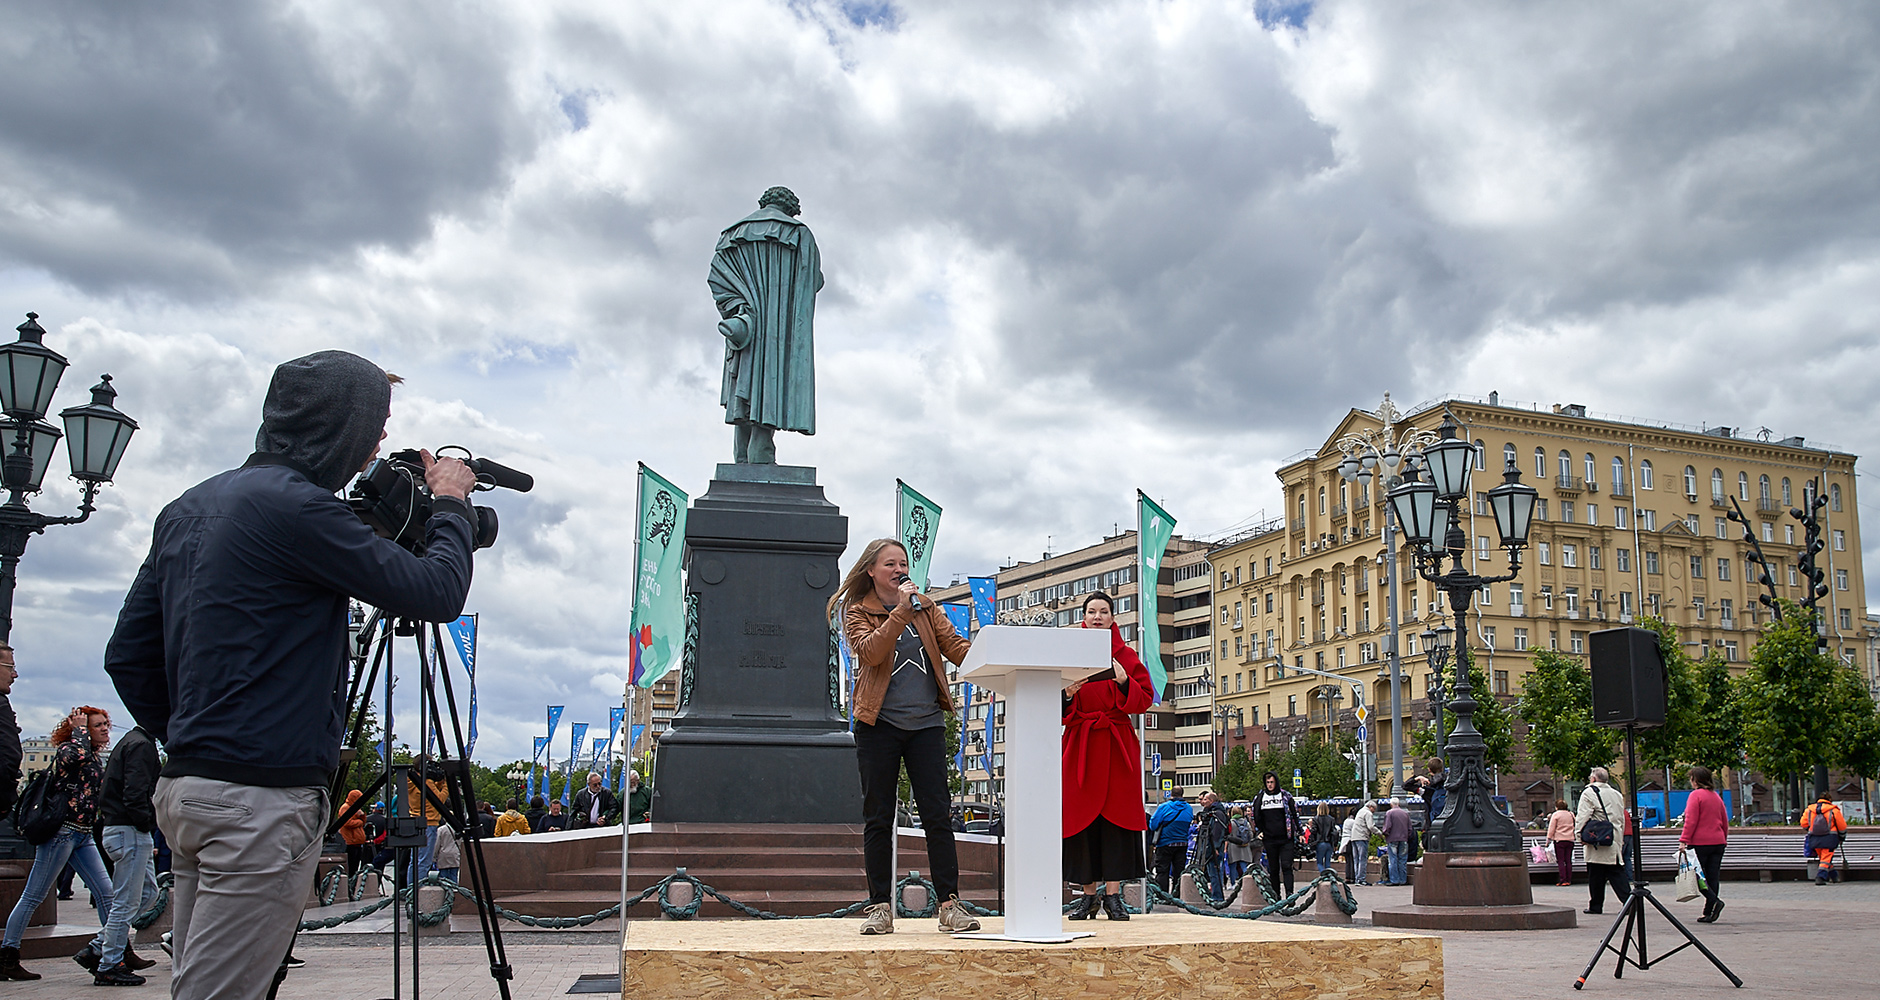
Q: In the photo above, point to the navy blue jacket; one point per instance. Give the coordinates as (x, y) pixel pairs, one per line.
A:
(231, 647)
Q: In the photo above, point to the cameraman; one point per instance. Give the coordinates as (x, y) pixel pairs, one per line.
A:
(231, 649)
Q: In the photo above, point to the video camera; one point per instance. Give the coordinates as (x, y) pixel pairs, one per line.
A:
(393, 500)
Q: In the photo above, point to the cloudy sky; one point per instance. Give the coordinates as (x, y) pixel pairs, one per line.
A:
(1072, 249)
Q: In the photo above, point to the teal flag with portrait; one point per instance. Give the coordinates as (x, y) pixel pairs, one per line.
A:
(1154, 528)
(919, 521)
(658, 624)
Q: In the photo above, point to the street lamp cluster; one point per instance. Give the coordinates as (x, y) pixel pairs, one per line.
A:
(1430, 513)
(95, 434)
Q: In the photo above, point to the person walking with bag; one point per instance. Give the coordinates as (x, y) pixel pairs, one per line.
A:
(1598, 826)
(1706, 828)
(1560, 834)
(1102, 797)
(1239, 844)
(1825, 826)
(72, 784)
(1325, 833)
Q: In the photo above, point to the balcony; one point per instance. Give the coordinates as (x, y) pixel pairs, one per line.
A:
(1768, 508)
(1720, 501)
(1340, 510)
(1621, 490)
(1517, 610)
(1569, 484)
(1298, 524)
(1318, 599)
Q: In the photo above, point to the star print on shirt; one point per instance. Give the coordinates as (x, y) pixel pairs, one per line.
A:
(916, 660)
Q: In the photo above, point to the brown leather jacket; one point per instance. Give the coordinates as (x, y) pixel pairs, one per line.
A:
(872, 632)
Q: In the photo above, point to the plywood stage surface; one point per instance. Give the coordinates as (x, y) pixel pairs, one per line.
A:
(1147, 958)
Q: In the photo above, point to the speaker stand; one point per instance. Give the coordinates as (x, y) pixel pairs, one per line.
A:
(1632, 914)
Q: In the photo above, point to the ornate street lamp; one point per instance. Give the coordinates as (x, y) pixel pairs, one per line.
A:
(96, 435)
(1469, 822)
(1364, 451)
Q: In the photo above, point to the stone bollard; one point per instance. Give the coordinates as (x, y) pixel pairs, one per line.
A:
(155, 932)
(1132, 894)
(914, 896)
(1249, 898)
(679, 894)
(430, 897)
(1325, 909)
(1190, 892)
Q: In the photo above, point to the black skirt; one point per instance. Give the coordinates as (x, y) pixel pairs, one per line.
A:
(1103, 852)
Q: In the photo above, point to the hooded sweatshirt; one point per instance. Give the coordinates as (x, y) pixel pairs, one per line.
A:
(231, 645)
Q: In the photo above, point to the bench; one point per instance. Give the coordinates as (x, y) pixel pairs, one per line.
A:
(1752, 849)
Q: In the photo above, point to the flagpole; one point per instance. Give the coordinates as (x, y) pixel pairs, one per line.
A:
(639, 529)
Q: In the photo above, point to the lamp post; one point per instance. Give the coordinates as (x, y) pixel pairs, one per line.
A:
(1430, 513)
(1224, 713)
(1364, 451)
(1436, 646)
(96, 435)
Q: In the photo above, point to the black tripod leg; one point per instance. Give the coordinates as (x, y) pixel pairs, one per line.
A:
(1605, 945)
(1692, 938)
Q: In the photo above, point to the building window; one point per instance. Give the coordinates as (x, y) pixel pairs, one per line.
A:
(1577, 642)
(1690, 483)
(1840, 579)
(1488, 636)
(1487, 596)
(1591, 465)
(1648, 520)
(1566, 466)
(1292, 704)
(1618, 474)
(1697, 567)
(1592, 514)
(1619, 517)
(1834, 496)
(1625, 602)
(1768, 531)
(1656, 604)
(1546, 556)
(1716, 484)
(1517, 595)
(1501, 682)
(1791, 576)
(1269, 603)
(1507, 455)
(1481, 546)
(1645, 475)
(1651, 562)
(1572, 597)
(1742, 486)
(1698, 607)
(1726, 612)
(1840, 540)
(1788, 534)
(1729, 650)
(1592, 553)
(1321, 499)
(1722, 526)
(1788, 492)
(1690, 523)
(1566, 511)
(1520, 639)
(1553, 640)
(1547, 597)
(1569, 554)
(1540, 509)
(1762, 487)
(1847, 620)
(1622, 560)
(1723, 569)
(1540, 464)
(1481, 455)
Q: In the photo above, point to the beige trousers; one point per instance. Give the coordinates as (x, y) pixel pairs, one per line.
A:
(243, 858)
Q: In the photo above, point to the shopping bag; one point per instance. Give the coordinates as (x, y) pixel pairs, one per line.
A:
(1690, 880)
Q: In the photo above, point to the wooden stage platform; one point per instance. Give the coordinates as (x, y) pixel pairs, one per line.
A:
(1146, 958)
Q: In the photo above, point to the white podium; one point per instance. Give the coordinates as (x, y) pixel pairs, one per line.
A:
(1029, 666)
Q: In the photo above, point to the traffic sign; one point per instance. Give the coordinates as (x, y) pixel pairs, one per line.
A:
(1155, 762)
(1168, 784)
(1298, 780)
(1364, 716)
(1364, 733)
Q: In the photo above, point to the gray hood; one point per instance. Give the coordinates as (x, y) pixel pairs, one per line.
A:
(325, 413)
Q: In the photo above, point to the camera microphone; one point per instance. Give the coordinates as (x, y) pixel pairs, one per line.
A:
(913, 599)
(502, 475)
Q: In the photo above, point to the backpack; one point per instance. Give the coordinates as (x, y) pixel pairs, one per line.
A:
(1821, 826)
(40, 811)
(1239, 833)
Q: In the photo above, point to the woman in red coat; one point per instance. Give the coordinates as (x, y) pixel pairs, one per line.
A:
(1103, 814)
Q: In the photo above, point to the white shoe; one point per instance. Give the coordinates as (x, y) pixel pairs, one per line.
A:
(878, 919)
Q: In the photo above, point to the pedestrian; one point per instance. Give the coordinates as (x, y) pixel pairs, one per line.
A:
(421, 804)
(1276, 818)
(1706, 829)
(1560, 834)
(1169, 827)
(353, 833)
(1602, 803)
(486, 821)
(1435, 791)
(377, 829)
(1365, 827)
(1102, 772)
(538, 808)
(1825, 828)
(1397, 835)
(1324, 836)
(126, 819)
(899, 638)
(1239, 845)
(10, 753)
(448, 855)
(639, 799)
(76, 774)
(1211, 829)
(553, 819)
(594, 805)
(512, 822)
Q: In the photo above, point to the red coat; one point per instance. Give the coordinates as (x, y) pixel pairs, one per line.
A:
(1102, 760)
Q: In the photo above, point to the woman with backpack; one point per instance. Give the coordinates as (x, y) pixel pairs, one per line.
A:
(70, 798)
(1239, 845)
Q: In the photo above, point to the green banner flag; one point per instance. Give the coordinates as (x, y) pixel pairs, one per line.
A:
(658, 591)
(1155, 528)
(919, 521)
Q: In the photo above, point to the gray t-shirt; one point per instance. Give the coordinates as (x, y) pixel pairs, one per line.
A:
(912, 701)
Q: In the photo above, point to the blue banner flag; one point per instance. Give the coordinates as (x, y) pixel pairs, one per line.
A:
(961, 617)
(540, 743)
(848, 675)
(633, 738)
(992, 701)
(966, 711)
(577, 730)
(615, 716)
(463, 634)
(548, 759)
(985, 597)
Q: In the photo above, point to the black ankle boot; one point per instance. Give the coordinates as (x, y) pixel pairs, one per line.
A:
(1083, 908)
(10, 966)
(1113, 907)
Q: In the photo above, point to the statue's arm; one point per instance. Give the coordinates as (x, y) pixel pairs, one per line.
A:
(735, 326)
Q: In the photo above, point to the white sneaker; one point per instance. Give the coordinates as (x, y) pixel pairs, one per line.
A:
(878, 919)
(954, 919)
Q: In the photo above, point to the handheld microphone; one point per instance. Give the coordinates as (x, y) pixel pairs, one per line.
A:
(914, 599)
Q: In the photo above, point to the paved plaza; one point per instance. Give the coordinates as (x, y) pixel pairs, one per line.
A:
(1784, 939)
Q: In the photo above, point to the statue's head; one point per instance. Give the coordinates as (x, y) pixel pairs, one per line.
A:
(783, 198)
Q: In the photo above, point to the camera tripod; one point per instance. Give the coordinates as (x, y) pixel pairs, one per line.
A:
(401, 783)
(1632, 914)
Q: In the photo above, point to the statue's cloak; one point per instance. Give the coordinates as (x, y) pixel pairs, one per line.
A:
(768, 269)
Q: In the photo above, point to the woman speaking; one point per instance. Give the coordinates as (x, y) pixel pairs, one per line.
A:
(1103, 814)
(901, 700)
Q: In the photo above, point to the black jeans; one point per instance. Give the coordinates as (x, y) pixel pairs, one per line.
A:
(1170, 860)
(1279, 864)
(881, 750)
(1598, 876)
(1710, 859)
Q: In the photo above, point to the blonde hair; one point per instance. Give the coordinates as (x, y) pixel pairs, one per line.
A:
(857, 585)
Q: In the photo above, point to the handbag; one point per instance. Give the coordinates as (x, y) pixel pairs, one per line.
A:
(40, 811)
(1597, 832)
(1690, 880)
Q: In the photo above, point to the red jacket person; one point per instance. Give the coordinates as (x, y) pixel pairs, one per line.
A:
(1103, 815)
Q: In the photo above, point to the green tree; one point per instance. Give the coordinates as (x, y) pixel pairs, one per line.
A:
(1324, 771)
(1801, 707)
(1491, 720)
(1556, 704)
(1673, 743)
(1716, 738)
(1237, 780)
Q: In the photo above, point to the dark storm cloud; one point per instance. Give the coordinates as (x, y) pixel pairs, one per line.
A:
(190, 145)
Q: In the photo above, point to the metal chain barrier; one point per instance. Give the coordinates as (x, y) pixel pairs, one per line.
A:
(164, 881)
